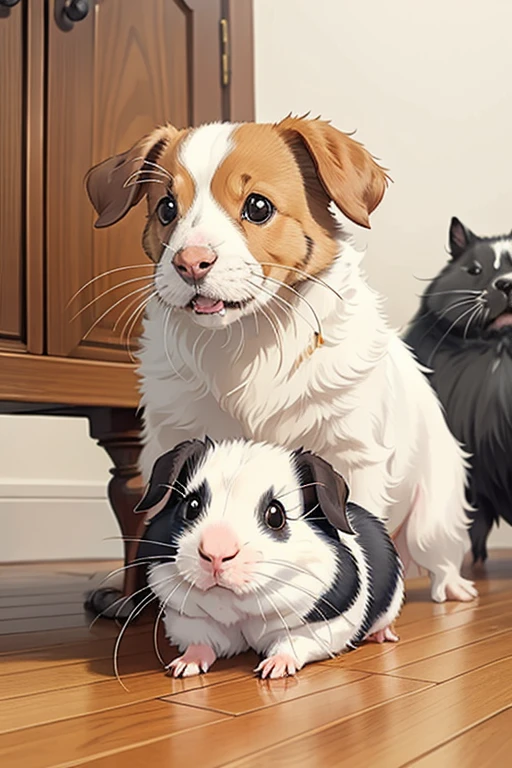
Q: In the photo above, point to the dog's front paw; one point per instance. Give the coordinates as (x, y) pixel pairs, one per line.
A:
(454, 588)
(195, 660)
(279, 665)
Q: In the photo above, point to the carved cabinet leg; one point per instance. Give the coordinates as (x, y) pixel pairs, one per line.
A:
(118, 431)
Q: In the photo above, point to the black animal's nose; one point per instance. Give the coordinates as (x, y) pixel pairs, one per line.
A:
(504, 284)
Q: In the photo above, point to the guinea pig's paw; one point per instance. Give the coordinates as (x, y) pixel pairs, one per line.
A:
(280, 665)
(454, 588)
(196, 659)
(383, 636)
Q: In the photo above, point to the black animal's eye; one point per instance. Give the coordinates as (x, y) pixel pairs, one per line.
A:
(257, 209)
(474, 269)
(275, 517)
(167, 210)
(193, 507)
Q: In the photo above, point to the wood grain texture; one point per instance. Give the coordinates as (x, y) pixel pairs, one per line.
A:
(216, 745)
(403, 730)
(12, 152)
(123, 70)
(41, 379)
(441, 696)
(487, 744)
(113, 731)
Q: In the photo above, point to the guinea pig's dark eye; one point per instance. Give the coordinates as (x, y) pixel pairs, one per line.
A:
(257, 209)
(474, 269)
(193, 507)
(275, 517)
(167, 210)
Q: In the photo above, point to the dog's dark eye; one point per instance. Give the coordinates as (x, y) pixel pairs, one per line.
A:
(275, 517)
(193, 507)
(474, 269)
(257, 209)
(167, 210)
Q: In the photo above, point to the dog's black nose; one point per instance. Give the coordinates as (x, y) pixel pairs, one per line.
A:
(504, 284)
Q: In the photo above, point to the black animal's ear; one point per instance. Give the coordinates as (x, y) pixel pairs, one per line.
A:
(166, 470)
(460, 238)
(329, 488)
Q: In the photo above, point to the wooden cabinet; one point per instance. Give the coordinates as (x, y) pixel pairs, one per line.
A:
(75, 91)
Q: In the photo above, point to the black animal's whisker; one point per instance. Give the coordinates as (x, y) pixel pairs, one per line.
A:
(446, 293)
(443, 337)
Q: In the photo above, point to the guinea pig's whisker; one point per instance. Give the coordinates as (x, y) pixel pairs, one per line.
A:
(133, 615)
(278, 613)
(123, 600)
(313, 634)
(300, 588)
(299, 488)
(141, 541)
(104, 274)
(189, 590)
(299, 296)
(296, 568)
(107, 291)
(160, 614)
(135, 564)
(311, 278)
(260, 608)
(171, 488)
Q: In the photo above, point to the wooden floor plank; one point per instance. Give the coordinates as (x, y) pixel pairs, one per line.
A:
(397, 655)
(31, 642)
(487, 744)
(105, 733)
(250, 693)
(450, 664)
(65, 703)
(216, 745)
(402, 731)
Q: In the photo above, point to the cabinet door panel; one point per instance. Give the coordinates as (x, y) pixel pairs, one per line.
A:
(12, 255)
(125, 68)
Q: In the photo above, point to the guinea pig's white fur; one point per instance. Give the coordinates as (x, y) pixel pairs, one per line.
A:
(262, 598)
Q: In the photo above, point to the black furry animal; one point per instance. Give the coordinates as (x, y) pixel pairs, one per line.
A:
(463, 333)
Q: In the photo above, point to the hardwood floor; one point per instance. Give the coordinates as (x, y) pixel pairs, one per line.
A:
(442, 697)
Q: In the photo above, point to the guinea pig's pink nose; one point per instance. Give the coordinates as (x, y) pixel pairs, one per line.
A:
(219, 545)
(194, 262)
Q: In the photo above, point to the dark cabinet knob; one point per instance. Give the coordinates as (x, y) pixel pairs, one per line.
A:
(9, 3)
(76, 10)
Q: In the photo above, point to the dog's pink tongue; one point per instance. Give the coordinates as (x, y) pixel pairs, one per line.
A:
(502, 321)
(205, 306)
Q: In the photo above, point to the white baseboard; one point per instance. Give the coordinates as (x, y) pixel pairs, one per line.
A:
(56, 520)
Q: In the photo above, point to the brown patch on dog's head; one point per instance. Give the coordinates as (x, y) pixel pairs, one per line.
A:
(123, 180)
(300, 166)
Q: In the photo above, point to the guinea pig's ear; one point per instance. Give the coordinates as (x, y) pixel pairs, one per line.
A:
(166, 470)
(329, 487)
(460, 238)
(348, 173)
(114, 185)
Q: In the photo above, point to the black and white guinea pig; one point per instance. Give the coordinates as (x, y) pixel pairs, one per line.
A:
(253, 546)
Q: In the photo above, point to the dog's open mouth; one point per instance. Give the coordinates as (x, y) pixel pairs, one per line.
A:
(502, 321)
(204, 305)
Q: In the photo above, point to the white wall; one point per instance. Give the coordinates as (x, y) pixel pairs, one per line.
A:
(426, 85)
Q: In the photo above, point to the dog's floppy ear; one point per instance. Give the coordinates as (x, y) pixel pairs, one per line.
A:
(114, 185)
(460, 238)
(328, 486)
(166, 470)
(348, 173)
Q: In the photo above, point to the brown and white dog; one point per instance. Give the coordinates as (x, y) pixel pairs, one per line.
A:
(262, 326)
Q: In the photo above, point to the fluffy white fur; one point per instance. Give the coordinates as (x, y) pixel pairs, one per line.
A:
(359, 401)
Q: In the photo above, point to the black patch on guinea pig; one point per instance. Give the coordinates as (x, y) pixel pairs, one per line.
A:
(383, 565)
(266, 500)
